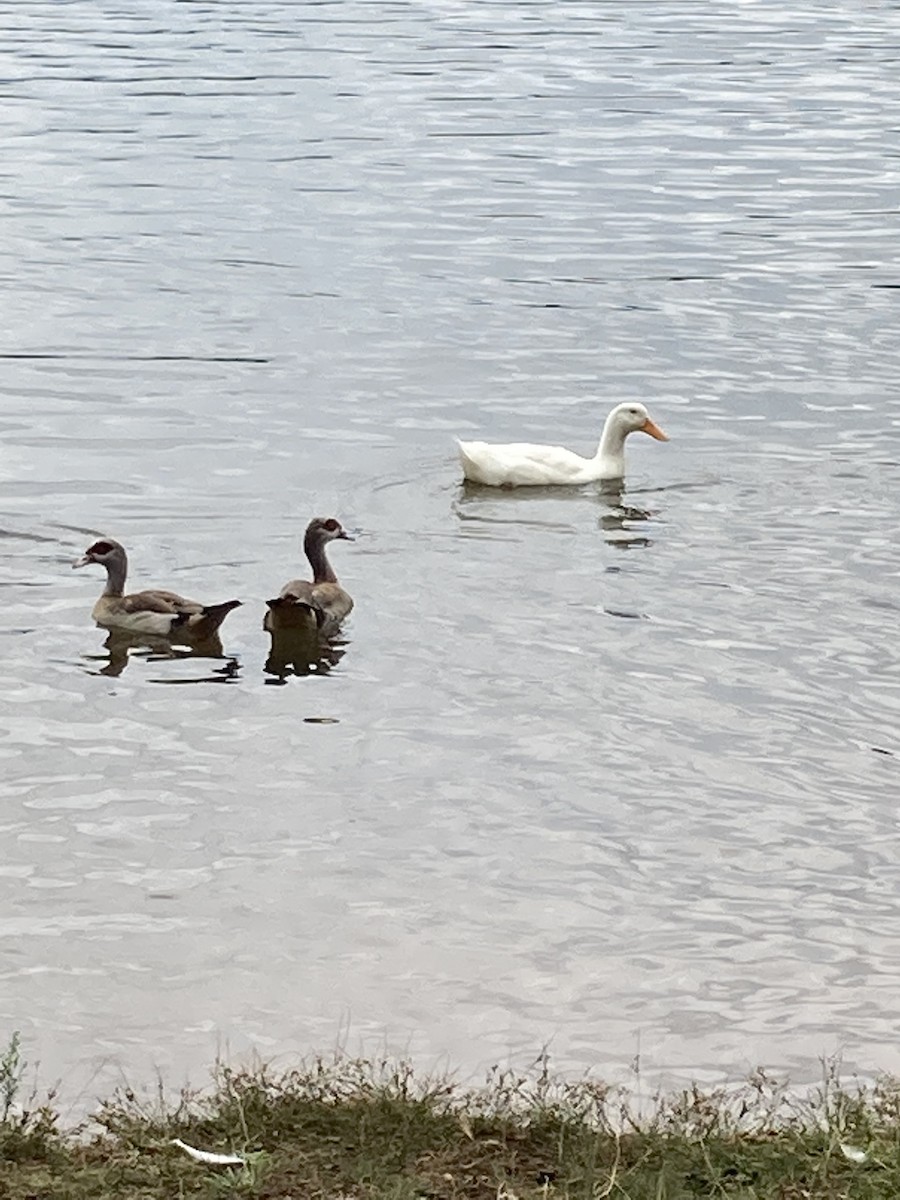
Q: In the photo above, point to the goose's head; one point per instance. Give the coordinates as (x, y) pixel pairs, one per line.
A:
(104, 552)
(634, 418)
(326, 529)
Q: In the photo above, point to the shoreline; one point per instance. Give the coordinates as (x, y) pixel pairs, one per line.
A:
(340, 1127)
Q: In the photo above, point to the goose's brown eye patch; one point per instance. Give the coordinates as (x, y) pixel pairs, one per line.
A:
(331, 525)
(100, 548)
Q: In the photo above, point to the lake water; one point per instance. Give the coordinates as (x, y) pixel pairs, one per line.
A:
(612, 774)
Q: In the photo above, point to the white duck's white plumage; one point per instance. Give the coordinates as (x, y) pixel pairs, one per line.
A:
(521, 464)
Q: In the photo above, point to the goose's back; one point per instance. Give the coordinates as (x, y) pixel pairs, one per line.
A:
(333, 601)
(159, 600)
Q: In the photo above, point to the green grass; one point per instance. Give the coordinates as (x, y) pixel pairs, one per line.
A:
(342, 1129)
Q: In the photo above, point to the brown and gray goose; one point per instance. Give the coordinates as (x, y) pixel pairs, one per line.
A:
(155, 612)
(318, 605)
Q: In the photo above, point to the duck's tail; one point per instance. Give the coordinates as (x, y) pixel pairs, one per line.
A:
(470, 464)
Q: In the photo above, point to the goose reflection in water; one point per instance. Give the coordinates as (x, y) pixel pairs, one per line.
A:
(119, 646)
(301, 652)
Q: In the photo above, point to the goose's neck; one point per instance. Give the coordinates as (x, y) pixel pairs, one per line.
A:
(116, 573)
(318, 560)
(612, 443)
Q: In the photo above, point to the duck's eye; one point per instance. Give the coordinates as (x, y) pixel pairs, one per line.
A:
(100, 548)
(331, 525)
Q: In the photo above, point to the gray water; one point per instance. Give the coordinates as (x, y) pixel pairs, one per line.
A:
(610, 774)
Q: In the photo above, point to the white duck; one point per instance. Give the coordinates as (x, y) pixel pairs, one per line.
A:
(520, 464)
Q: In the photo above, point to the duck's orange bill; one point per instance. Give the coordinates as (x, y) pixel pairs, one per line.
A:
(654, 430)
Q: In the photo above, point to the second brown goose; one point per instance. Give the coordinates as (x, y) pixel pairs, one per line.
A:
(318, 605)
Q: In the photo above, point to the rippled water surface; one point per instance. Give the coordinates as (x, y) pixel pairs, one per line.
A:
(613, 773)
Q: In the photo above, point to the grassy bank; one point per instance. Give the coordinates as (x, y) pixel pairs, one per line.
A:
(349, 1128)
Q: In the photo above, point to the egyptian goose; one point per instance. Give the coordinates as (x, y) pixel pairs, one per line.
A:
(155, 612)
(318, 605)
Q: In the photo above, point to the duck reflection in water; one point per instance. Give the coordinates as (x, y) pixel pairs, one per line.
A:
(618, 523)
(484, 507)
(120, 644)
